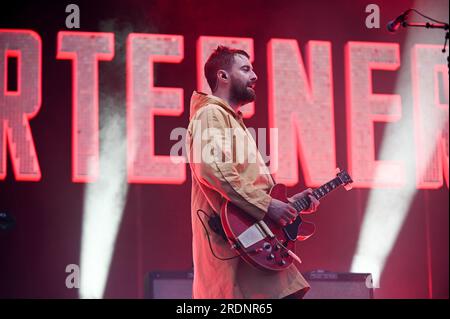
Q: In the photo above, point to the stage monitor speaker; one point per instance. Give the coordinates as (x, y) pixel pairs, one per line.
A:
(169, 285)
(332, 285)
(324, 285)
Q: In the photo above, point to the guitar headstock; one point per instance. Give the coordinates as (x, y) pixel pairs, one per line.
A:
(345, 178)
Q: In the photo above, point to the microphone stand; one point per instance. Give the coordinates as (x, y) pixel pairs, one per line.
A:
(428, 25)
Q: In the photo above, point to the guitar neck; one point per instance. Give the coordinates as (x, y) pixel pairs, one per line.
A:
(318, 193)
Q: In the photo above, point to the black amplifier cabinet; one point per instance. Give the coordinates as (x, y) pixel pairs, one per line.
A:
(335, 285)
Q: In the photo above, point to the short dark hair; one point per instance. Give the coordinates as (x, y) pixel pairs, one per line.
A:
(221, 59)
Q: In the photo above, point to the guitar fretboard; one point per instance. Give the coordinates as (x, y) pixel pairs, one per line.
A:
(318, 193)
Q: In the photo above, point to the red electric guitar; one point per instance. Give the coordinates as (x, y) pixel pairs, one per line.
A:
(265, 244)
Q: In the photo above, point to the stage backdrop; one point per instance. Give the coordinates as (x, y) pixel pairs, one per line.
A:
(95, 97)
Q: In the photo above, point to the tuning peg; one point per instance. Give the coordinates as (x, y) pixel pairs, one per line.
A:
(338, 170)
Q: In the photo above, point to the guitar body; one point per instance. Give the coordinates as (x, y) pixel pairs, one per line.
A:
(269, 253)
(265, 244)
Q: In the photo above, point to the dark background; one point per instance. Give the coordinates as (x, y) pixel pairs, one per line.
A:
(155, 231)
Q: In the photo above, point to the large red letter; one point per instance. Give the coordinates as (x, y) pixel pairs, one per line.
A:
(85, 49)
(302, 107)
(430, 115)
(18, 107)
(205, 46)
(144, 101)
(364, 108)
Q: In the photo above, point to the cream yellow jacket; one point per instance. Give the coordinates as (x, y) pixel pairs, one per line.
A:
(244, 182)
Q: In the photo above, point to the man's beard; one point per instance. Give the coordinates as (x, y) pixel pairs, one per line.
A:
(242, 94)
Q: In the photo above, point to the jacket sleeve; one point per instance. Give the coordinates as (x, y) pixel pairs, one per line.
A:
(214, 167)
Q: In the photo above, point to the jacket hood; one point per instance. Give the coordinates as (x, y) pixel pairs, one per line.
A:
(200, 99)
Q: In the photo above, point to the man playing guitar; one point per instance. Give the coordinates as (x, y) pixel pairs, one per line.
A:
(218, 270)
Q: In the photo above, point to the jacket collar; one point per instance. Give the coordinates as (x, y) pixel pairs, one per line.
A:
(200, 99)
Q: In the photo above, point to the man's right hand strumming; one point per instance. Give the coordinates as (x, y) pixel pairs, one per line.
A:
(281, 213)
